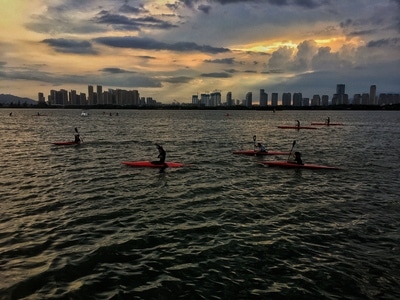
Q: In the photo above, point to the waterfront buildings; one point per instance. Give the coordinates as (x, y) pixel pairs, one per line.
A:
(98, 96)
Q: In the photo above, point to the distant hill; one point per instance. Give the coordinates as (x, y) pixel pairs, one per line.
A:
(7, 99)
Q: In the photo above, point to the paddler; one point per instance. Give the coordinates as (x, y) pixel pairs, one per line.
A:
(161, 154)
(298, 123)
(297, 158)
(77, 136)
(261, 148)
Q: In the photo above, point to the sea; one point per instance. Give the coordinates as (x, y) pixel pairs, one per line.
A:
(75, 223)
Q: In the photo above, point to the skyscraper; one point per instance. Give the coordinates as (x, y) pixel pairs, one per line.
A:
(100, 94)
(249, 99)
(90, 95)
(229, 101)
(263, 98)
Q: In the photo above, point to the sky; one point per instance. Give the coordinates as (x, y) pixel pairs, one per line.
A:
(171, 50)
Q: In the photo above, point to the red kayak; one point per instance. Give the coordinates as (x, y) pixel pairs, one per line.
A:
(252, 152)
(149, 164)
(66, 143)
(285, 164)
(326, 124)
(296, 127)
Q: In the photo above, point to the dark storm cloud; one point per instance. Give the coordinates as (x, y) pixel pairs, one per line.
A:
(150, 44)
(216, 75)
(205, 8)
(228, 61)
(362, 32)
(122, 22)
(70, 46)
(384, 42)
(178, 79)
(115, 71)
(311, 4)
(126, 8)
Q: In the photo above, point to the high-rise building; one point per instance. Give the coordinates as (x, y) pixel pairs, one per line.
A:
(195, 99)
(340, 97)
(249, 99)
(316, 100)
(229, 101)
(297, 99)
(286, 99)
(90, 95)
(215, 98)
(41, 98)
(263, 98)
(99, 94)
(72, 97)
(325, 100)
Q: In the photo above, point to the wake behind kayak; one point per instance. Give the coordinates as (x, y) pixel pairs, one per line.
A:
(285, 164)
(65, 143)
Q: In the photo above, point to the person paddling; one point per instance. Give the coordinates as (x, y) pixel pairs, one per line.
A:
(261, 148)
(297, 158)
(161, 154)
(77, 136)
(328, 121)
(298, 124)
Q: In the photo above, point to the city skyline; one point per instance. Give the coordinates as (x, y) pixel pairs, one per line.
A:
(98, 96)
(171, 50)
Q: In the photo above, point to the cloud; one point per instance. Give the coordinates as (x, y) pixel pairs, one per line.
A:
(228, 61)
(121, 22)
(204, 8)
(126, 8)
(217, 75)
(178, 79)
(393, 42)
(115, 70)
(70, 46)
(312, 4)
(151, 44)
(281, 58)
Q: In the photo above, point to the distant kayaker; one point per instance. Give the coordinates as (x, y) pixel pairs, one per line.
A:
(298, 123)
(261, 148)
(161, 154)
(297, 158)
(328, 121)
(77, 136)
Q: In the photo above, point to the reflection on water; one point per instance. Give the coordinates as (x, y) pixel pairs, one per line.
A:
(76, 222)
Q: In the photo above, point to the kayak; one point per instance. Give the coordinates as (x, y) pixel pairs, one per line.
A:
(149, 164)
(252, 152)
(66, 143)
(296, 127)
(330, 124)
(285, 164)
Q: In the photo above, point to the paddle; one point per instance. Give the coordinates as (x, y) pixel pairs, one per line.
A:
(290, 153)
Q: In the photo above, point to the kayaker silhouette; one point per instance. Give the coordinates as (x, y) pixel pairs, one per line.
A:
(161, 154)
(261, 148)
(298, 123)
(77, 136)
(297, 158)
